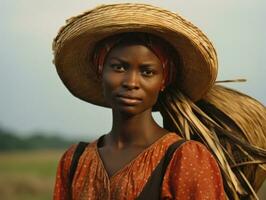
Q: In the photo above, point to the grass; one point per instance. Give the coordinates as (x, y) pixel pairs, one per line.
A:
(28, 175)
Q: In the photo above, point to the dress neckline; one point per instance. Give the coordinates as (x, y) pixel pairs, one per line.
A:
(131, 161)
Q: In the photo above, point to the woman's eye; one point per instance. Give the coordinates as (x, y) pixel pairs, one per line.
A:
(147, 73)
(118, 67)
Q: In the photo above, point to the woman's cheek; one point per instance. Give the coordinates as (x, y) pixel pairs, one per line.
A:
(110, 82)
(153, 92)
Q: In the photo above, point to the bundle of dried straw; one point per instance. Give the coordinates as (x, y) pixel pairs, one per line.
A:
(232, 125)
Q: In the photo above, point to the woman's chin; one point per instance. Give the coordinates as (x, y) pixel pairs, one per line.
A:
(129, 110)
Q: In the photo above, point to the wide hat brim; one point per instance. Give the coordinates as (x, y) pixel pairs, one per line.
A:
(75, 44)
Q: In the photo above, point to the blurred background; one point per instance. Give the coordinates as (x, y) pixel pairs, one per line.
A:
(39, 118)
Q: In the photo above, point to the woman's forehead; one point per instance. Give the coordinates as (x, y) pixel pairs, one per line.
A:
(133, 51)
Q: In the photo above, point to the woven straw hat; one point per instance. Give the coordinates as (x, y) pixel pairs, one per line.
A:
(75, 44)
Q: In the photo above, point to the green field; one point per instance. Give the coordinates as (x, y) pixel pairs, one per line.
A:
(29, 175)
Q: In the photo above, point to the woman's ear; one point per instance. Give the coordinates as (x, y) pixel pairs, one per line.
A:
(100, 73)
(162, 86)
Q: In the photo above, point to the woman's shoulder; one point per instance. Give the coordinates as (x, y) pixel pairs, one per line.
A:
(187, 146)
(67, 156)
(193, 150)
(195, 155)
(192, 146)
(186, 149)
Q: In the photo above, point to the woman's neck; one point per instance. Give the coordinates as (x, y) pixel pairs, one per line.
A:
(137, 130)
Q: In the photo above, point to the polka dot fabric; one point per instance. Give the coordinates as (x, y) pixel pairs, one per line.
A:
(192, 174)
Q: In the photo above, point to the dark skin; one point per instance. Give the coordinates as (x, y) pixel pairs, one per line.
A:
(132, 79)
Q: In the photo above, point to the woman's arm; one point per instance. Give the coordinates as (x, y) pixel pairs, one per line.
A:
(61, 189)
(193, 174)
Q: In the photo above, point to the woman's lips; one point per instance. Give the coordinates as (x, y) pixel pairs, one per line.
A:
(128, 100)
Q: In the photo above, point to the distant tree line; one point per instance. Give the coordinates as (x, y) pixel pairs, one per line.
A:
(11, 141)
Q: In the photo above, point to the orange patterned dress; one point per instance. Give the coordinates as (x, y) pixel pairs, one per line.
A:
(192, 174)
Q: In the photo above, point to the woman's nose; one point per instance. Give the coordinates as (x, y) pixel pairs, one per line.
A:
(131, 80)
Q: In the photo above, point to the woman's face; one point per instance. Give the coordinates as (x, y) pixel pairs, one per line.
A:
(132, 78)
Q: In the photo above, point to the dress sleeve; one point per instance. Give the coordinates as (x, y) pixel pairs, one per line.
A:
(193, 174)
(61, 189)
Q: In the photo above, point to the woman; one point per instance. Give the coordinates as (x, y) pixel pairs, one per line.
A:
(144, 60)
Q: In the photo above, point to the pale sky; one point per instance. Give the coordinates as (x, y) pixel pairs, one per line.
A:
(33, 97)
